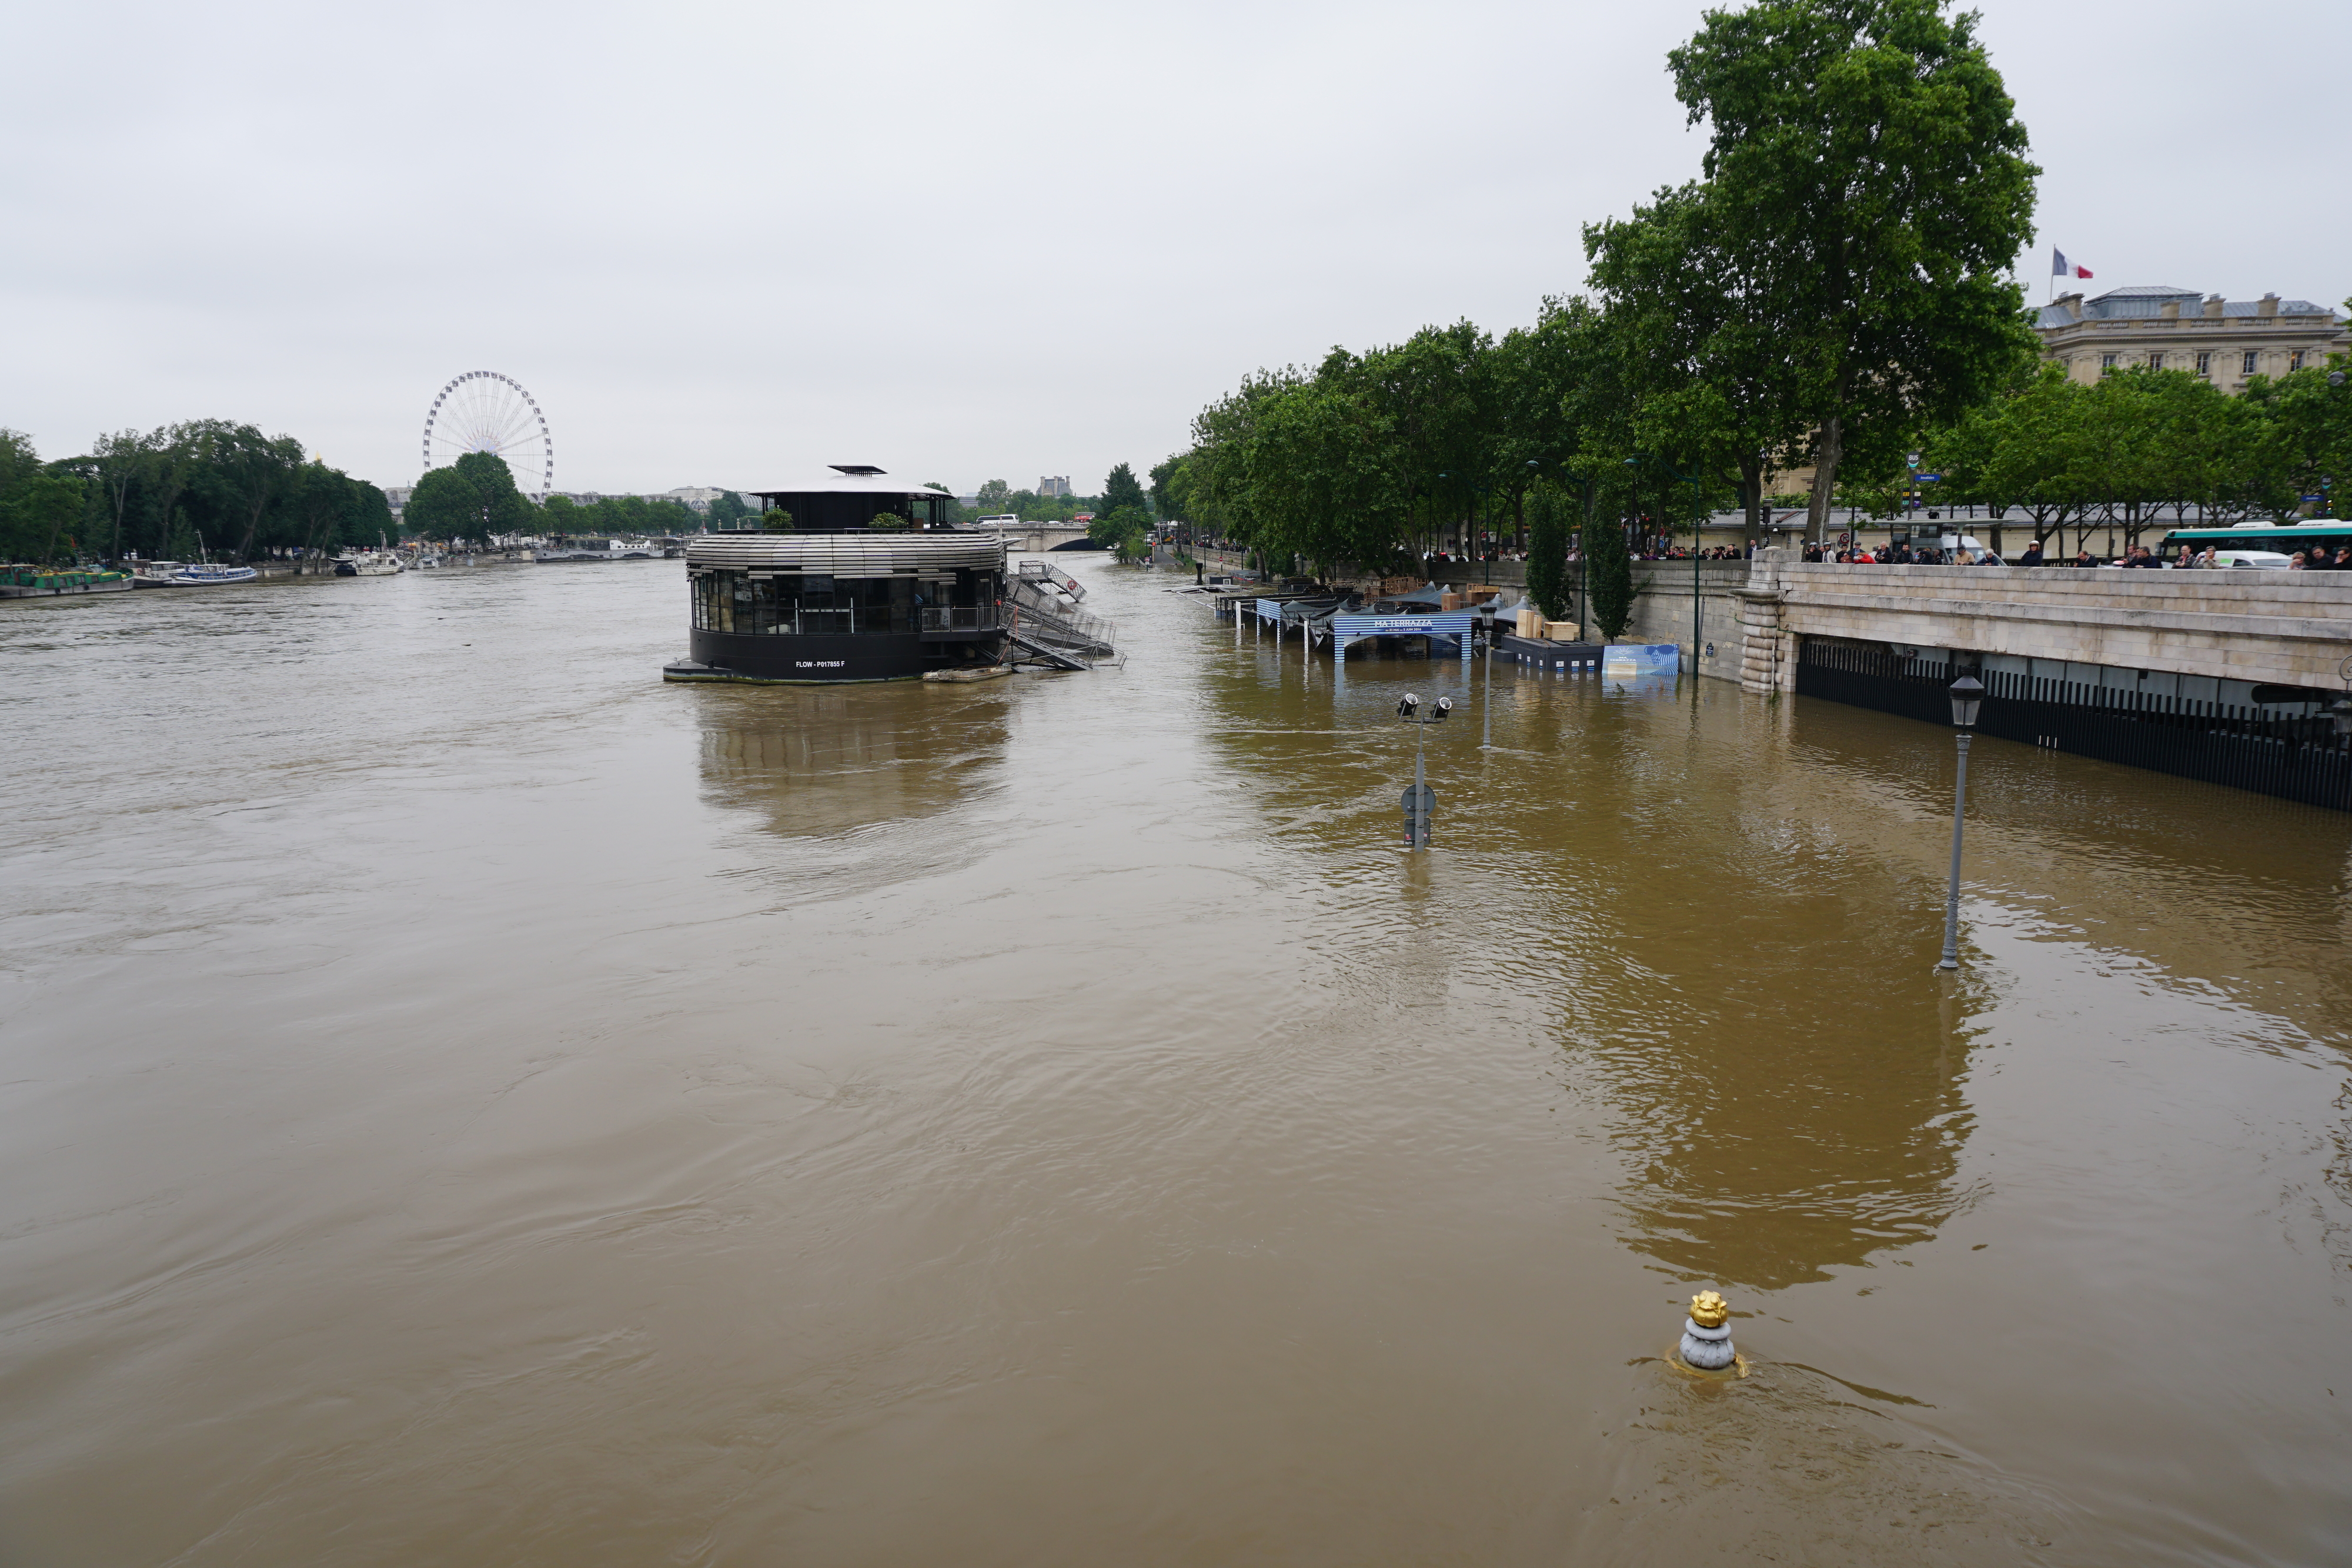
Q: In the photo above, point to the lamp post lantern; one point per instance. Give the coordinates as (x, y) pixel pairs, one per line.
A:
(1967, 696)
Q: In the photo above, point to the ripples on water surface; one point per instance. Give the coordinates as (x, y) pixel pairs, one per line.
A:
(466, 1101)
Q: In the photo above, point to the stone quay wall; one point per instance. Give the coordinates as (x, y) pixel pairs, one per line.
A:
(2272, 627)
(1662, 612)
(2276, 628)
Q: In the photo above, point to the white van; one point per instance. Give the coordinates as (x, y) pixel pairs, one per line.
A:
(1978, 549)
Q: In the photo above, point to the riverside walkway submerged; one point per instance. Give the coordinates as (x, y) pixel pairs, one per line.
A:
(567, 1119)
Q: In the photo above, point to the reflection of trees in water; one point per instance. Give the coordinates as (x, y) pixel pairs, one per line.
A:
(1758, 1013)
(1749, 999)
(1790, 1127)
(826, 760)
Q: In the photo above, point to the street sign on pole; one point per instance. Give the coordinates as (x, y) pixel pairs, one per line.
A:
(1420, 803)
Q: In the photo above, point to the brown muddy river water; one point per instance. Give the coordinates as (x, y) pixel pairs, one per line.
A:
(465, 1101)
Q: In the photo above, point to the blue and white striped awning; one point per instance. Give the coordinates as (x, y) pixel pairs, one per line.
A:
(1454, 623)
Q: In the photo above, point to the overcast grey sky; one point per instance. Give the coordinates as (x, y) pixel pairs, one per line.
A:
(723, 243)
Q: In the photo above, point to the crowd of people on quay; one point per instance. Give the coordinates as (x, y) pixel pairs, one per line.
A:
(2318, 558)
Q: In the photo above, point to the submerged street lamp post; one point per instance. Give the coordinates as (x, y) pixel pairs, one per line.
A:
(1420, 802)
(1967, 696)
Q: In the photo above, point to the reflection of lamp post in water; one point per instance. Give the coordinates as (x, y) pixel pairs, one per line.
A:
(1967, 696)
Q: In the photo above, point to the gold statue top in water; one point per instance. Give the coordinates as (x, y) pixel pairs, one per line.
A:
(1709, 1310)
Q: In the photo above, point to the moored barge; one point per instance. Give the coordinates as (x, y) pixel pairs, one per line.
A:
(49, 582)
(829, 597)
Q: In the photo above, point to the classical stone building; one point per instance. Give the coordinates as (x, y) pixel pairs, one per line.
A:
(2225, 340)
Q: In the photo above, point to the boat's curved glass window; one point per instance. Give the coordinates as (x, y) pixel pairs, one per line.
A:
(809, 604)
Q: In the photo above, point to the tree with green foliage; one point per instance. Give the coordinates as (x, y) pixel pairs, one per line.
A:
(888, 523)
(728, 511)
(1168, 478)
(2022, 450)
(1866, 169)
(1539, 423)
(118, 461)
(2309, 447)
(243, 475)
(21, 538)
(471, 499)
(1608, 578)
(1547, 577)
(41, 504)
(995, 497)
(169, 474)
(1121, 491)
(1712, 395)
(323, 501)
(219, 482)
(1122, 531)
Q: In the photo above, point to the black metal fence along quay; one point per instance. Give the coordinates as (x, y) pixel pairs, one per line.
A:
(2295, 756)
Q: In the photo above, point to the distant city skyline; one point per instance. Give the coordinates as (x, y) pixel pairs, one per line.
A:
(1390, 167)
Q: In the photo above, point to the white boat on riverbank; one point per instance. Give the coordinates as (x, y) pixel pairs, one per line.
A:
(189, 574)
(598, 549)
(368, 563)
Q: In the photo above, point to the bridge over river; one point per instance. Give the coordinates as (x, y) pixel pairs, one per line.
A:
(2225, 675)
(1037, 538)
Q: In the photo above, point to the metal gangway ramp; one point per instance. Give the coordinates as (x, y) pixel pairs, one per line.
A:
(1045, 571)
(1044, 631)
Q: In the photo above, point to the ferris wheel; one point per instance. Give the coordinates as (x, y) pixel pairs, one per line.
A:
(484, 411)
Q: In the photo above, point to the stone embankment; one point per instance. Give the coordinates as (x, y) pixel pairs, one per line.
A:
(2289, 629)
(2272, 627)
(2282, 628)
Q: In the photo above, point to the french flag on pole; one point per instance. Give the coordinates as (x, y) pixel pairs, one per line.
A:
(2061, 267)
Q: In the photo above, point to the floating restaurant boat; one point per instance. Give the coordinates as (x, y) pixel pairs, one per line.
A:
(835, 599)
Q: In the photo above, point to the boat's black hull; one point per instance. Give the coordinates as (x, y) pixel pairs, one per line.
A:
(769, 658)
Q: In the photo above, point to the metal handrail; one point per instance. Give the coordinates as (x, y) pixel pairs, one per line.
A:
(959, 618)
(1087, 634)
(848, 622)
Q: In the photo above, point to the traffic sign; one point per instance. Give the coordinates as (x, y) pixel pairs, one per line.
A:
(1423, 805)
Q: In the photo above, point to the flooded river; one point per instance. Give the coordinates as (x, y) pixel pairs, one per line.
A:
(469, 1103)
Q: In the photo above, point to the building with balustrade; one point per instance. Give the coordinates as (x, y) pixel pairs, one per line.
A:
(2227, 341)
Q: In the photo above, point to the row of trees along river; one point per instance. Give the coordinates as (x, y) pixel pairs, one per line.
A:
(241, 493)
(230, 490)
(1832, 293)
